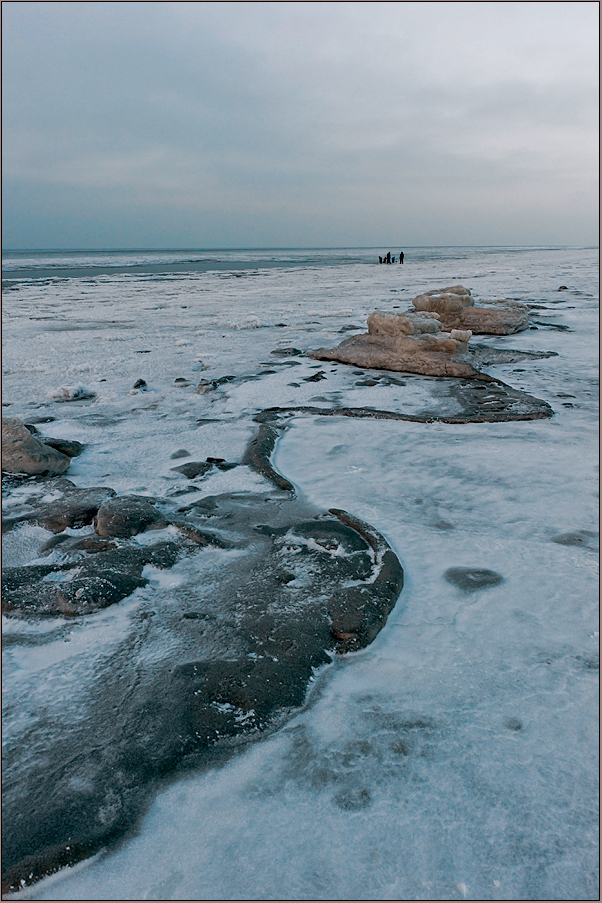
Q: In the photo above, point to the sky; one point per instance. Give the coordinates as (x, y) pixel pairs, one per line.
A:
(250, 125)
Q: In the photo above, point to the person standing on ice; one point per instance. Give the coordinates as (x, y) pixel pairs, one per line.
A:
(401, 256)
(388, 257)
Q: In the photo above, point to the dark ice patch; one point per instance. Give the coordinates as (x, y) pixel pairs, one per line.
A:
(585, 538)
(546, 323)
(69, 447)
(88, 585)
(193, 469)
(204, 667)
(469, 580)
(180, 453)
(74, 508)
(588, 662)
(354, 799)
(316, 377)
(514, 724)
(258, 454)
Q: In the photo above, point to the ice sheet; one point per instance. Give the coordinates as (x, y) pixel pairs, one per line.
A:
(456, 756)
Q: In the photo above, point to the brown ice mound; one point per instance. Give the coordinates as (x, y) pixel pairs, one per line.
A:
(456, 310)
(411, 343)
(409, 323)
(437, 354)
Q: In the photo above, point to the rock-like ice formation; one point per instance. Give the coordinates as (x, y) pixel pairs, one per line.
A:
(24, 453)
(412, 342)
(444, 300)
(456, 310)
(430, 339)
(430, 355)
(409, 323)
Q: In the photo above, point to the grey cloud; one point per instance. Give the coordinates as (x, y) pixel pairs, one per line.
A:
(303, 118)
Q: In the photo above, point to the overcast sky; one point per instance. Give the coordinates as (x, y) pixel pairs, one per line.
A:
(208, 125)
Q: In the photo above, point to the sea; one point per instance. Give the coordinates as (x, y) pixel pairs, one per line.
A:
(456, 757)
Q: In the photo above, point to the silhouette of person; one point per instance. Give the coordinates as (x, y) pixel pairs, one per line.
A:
(388, 257)
(401, 255)
(393, 260)
(380, 260)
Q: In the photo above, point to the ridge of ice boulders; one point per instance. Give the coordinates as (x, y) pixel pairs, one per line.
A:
(430, 339)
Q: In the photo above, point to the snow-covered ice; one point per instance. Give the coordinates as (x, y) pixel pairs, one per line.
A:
(456, 756)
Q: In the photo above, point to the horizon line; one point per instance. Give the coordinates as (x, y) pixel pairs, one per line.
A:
(303, 247)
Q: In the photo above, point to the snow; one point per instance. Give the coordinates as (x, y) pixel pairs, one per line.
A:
(453, 758)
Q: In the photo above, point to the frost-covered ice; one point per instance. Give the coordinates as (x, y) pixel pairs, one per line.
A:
(453, 758)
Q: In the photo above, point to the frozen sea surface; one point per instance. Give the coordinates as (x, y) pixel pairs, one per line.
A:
(455, 757)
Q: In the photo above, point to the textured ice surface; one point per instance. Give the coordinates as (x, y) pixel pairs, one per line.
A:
(456, 756)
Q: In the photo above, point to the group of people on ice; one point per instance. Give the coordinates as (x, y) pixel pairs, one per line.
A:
(389, 259)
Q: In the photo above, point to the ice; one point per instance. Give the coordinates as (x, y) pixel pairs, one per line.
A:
(70, 393)
(455, 757)
(343, 312)
(20, 546)
(249, 322)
